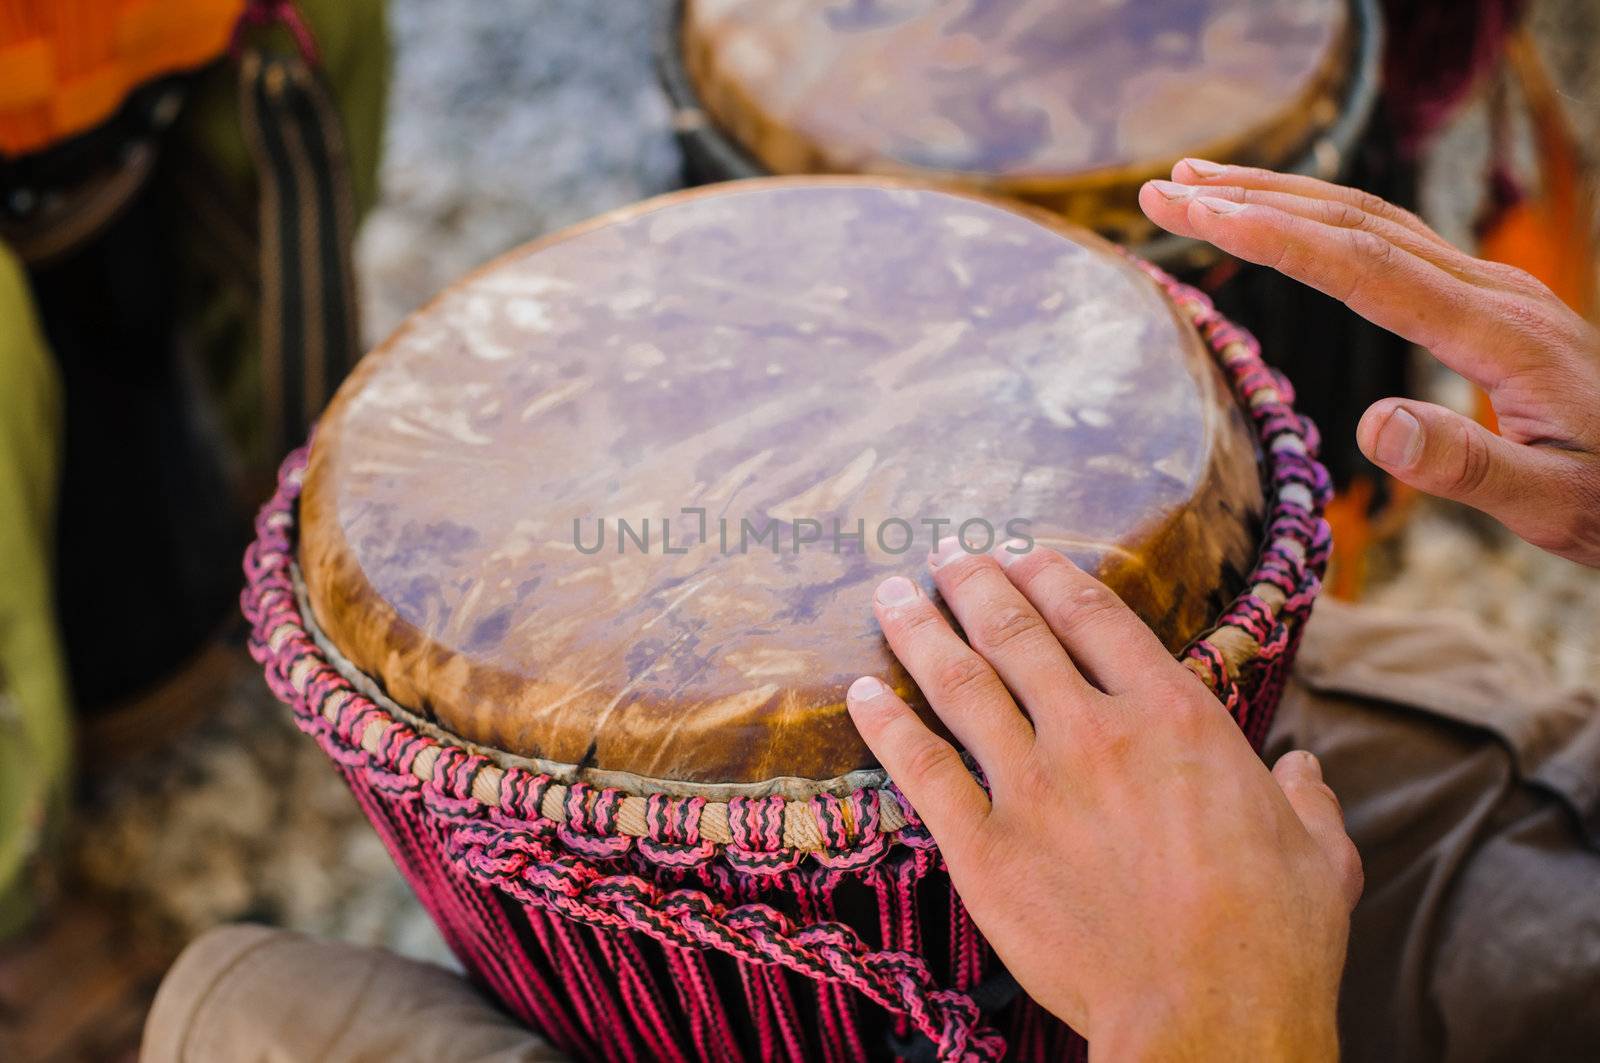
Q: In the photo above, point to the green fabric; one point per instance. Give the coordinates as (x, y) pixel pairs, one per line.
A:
(35, 730)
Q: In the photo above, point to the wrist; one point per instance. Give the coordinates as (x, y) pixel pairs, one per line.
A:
(1220, 1023)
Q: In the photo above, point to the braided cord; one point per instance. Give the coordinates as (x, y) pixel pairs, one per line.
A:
(525, 866)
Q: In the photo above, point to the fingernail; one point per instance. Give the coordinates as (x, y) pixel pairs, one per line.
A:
(945, 552)
(866, 688)
(1399, 440)
(1010, 550)
(1313, 765)
(1220, 206)
(1172, 190)
(896, 590)
(1204, 168)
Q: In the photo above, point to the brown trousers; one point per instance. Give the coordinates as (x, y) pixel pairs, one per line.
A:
(1470, 785)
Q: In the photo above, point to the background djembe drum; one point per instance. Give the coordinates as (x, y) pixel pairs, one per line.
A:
(621, 777)
(1069, 106)
(1072, 107)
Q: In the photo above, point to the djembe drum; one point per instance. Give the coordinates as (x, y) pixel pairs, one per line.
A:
(578, 569)
(1071, 106)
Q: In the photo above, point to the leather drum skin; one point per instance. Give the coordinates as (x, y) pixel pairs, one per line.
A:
(1067, 104)
(772, 367)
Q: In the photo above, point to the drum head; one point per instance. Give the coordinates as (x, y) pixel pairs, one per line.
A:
(803, 380)
(1067, 104)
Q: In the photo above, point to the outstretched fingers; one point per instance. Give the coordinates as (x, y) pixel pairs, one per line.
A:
(1007, 630)
(1106, 640)
(926, 768)
(1496, 325)
(1376, 277)
(959, 684)
(1340, 213)
(1206, 174)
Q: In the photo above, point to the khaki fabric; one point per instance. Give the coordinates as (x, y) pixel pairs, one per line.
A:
(1471, 786)
(250, 994)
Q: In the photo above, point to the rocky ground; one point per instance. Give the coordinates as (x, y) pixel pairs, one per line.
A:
(509, 119)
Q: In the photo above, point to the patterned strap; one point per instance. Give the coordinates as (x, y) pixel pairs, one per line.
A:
(308, 312)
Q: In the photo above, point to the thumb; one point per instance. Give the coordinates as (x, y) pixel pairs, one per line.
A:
(1440, 452)
(1299, 775)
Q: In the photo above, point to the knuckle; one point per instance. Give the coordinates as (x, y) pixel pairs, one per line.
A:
(1105, 738)
(1290, 257)
(916, 621)
(1313, 788)
(1000, 627)
(1034, 779)
(1517, 281)
(960, 676)
(1532, 322)
(927, 759)
(1469, 468)
(1083, 605)
(1372, 250)
(1501, 273)
(1370, 203)
(1346, 215)
(1184, 710)
(963, 570)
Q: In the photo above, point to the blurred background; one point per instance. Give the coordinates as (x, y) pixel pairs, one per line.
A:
(192, 799)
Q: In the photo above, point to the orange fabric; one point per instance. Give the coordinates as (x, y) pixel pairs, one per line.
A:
(1549, 236)
(66, 65)
(1349, 518)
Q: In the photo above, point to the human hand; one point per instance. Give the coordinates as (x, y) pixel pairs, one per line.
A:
(1537, 360)
(1134, 864)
